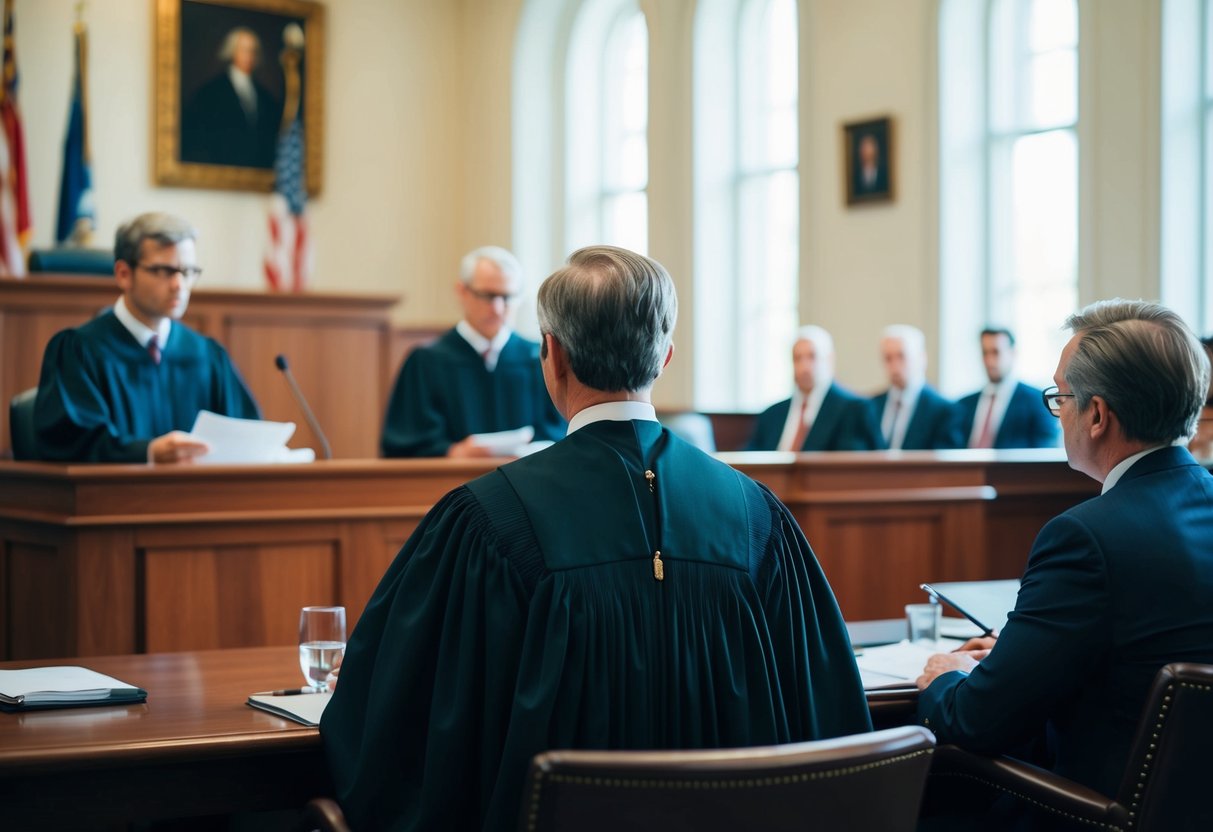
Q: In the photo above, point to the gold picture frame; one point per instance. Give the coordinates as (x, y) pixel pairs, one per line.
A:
(197, 141)
(868, 161)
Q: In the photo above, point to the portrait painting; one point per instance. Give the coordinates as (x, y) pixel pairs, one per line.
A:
(868, 165)
(230, 76)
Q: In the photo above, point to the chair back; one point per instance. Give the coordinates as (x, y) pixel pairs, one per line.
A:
(21, 424)
(1172, 754)
(864, 781)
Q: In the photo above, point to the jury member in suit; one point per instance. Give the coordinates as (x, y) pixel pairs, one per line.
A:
(913, 416)
(233, 119)
(479, 377)
(1006, 413)
(821, 415)
(1201, 444)
(1115, 587)
(620, 589)
(124, 386)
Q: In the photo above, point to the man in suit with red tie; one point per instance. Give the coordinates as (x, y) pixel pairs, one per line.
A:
(1006, 413)
(821, 415)
(913, 416)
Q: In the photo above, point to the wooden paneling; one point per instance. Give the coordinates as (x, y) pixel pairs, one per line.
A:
(338, 347)
(118, 559)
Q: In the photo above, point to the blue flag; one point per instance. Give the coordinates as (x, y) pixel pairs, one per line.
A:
(76, 217)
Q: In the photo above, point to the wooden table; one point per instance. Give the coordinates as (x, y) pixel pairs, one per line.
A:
(194, 748)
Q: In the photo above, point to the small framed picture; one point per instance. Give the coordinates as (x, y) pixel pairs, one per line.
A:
(223, 90)
(868, 165)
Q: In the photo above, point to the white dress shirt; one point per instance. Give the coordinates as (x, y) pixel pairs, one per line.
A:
(1124, 465)
(612, 412)
(908, 399)
(491, 350)
(815, 396)
(998, 397)
(243, 85)
(141, 331)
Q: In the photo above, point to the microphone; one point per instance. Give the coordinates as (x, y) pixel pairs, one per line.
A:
(280, 363)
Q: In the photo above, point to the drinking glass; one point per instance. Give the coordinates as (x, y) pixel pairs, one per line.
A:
(922, 622)
(321, 643)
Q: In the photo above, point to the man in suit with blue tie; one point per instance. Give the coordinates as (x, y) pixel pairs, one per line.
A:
(913, 416)
(821, 415)
(1006, 413)
(1117, 586)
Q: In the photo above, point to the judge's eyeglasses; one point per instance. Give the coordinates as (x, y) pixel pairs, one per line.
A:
(165, 271)
(1052, 399)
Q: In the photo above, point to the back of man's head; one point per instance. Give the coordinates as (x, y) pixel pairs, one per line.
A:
(1142, 359)
(163, 229)
(613, 311)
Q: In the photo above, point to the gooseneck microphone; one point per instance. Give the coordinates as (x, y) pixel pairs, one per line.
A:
(280, 363)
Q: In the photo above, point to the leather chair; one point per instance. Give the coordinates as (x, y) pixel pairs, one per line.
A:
(864, 781)
(21, 424)
(322, 814)
(1165, 780)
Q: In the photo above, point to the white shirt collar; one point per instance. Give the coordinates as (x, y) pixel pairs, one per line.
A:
(1124, 465)
(815, 397)
(482, 345)
(141, 331)
(612, 412)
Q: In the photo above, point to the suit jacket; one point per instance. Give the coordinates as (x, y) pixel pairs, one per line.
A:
(215, 129)
(933, 425)
(844, 423)
(1115, 588)
(1027, 423)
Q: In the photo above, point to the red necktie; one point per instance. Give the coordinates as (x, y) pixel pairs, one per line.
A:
(153, 349)
(985, 439)
(802, 429)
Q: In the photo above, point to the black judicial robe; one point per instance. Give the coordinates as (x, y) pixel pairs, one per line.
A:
(445, 393)
(101, 398)
(523, 615)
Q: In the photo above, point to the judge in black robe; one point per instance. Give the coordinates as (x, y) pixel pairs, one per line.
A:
(105, 395)
(620, 589)
(479, 377)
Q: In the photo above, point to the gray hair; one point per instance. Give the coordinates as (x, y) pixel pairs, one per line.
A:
(1142, 359)
(229, 43)
(818, 336)
(165, 229)
(613, 311)
(910, 336)
(496, 255)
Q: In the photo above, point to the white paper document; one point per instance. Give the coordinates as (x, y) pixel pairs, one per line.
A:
(45, 685)
(506, 442)
(246, 440)
(306, 708)
(897, 665)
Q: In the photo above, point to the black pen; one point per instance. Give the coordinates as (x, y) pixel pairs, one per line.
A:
(932, 591)
(286, 692)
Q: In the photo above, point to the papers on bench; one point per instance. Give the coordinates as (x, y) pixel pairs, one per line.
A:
(306, 708)
(517, 442)
(63, 687)
(898, 665)
(247, 440)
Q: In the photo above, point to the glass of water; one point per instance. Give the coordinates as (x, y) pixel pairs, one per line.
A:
(321, 643)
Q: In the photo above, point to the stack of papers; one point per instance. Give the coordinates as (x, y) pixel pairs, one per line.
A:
(517, 442)
(306, 708)
(247, 440)
(898, 665)
(63, 687)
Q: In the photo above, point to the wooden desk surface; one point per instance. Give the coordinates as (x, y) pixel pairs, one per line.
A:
(194, 748)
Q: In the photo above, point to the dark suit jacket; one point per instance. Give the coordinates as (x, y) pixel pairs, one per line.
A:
(215, 130)
(1026, 424)
(933, 425)
(844, 423)
(1115, 588)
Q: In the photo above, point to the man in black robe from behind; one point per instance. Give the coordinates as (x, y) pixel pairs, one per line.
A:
(618, 590)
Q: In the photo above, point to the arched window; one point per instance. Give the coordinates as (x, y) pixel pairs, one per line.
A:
(1009, 173)
(747, 201)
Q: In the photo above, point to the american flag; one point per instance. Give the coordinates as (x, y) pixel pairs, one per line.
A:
(288, 255)
(15, 224)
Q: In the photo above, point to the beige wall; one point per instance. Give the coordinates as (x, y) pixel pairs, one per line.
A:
(418, 153)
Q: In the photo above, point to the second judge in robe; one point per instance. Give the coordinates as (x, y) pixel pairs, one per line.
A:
(620, 589)
(479, 377)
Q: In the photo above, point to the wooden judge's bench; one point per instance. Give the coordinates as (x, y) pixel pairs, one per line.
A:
(116, 559)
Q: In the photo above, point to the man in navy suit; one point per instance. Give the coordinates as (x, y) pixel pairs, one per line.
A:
(1115, 587)
(820, 416)
(1006, 413)
(913, 417)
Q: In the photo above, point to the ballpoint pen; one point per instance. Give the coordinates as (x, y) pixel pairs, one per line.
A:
(286, 692)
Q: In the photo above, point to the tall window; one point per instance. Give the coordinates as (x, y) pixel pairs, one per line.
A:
(607, 129)
(1009, 180)
(747, 201)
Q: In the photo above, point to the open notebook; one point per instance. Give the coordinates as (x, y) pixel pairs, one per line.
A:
(306, 708)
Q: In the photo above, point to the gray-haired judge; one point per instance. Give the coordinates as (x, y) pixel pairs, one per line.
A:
(620, 589)
(821, 415)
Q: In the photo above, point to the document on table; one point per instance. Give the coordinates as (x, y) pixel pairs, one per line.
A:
(898, 665)
(306, 708)
(61, 687)
(246, 440)
(506, 442)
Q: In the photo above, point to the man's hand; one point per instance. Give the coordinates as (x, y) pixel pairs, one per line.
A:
(985, 643)
(942, 663)
(467, 448)
(176, 447)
